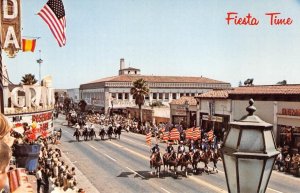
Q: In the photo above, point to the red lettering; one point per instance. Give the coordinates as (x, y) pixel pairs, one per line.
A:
(275, 20)
(247, 20)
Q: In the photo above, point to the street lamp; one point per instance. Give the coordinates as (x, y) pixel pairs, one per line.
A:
(187, 107)
(249, 153)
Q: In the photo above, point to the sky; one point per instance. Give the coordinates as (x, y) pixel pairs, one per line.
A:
(163, 37)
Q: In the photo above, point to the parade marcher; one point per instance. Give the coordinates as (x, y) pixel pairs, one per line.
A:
(287, 162)
(181, 149)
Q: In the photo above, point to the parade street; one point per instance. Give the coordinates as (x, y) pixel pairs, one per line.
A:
(123, 166)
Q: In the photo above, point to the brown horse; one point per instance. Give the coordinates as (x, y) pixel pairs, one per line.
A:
(156, 163)
(205, 157)
(184, 161)
(195, 160)
(170, 161)
(215, 157)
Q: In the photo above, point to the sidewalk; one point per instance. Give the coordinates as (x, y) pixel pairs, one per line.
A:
(82, 180)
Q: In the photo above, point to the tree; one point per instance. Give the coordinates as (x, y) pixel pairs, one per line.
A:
(28, 79)
(82, 104)
(139, 90)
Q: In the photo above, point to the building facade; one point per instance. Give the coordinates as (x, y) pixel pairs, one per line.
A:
(114, 92)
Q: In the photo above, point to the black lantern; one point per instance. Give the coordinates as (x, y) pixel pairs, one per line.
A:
(249, 153)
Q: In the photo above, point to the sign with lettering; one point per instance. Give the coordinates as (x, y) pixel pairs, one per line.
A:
(291, 112)
(212, 118)
(10, 18)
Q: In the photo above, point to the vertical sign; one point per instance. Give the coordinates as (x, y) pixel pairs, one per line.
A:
(10, 26)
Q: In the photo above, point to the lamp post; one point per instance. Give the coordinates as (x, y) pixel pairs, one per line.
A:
(249, 153)
(187, 107)
(40, 61)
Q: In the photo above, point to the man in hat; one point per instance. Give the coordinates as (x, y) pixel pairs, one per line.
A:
(169, 150)
(154, 150)
(181, 149)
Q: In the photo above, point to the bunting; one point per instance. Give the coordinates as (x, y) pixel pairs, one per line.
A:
(189, 133)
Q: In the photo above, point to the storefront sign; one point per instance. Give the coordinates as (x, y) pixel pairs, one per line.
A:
(291, 112)
(31, 96)
(212, 118)
(10, 26)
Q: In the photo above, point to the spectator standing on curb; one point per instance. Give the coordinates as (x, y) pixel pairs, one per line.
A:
(39, 178)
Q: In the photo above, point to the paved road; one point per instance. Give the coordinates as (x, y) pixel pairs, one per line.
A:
(123, 166)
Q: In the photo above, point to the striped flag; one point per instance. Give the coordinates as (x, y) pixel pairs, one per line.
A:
(210, 135)
(148, 138)
(166, 135)
(53, 13)
(189, 133)
(28, 45)
(196, 134)
(174, 134)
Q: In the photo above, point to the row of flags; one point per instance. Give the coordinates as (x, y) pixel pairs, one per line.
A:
(53, 13)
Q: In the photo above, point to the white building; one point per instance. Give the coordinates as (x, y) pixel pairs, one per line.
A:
(115, 91)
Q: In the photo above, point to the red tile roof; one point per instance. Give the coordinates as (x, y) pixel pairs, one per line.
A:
(181, 101)
(267, 90)
(159, 79)
(221, 94)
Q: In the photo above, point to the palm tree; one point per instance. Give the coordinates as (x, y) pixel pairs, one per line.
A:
(139, 90)
(28, 79)
(82, 104)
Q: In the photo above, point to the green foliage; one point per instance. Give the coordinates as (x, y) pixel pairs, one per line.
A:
(139, 90)
(28, 79)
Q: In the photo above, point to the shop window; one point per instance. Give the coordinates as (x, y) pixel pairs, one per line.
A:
(181, 94)
(174, 95)
(113, 95)
(154, 95)
(120, 95)
(126, 95)
(160, 95)
(147, 97)
(167, 96)
(187, 94)
(193, 94)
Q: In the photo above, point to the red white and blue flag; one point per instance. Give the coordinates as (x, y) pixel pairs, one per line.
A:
(53, 13)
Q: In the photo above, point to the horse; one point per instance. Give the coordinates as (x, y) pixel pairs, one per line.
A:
(205, 157)
(156, 162)
(92, 134)
(77, 134)
(110, 132)
(85, 134)
(118, 131)
(102, 133)
(170, 161)
(215, 157)
(195, 160)
(184, 161)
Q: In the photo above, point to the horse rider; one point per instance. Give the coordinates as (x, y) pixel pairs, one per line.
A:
(204, 144)
(192, 147)
(154, 150)
(169, 150)
(180, 150)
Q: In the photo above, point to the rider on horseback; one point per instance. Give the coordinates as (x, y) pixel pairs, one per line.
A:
(181, 150)
(169, 150)
(154, 150)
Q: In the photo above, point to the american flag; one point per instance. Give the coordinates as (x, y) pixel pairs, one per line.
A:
(166, 135)
(196, 134)
(148, 138)
(189, 133)
(53, 13)
(174, 134)
(210, 135)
